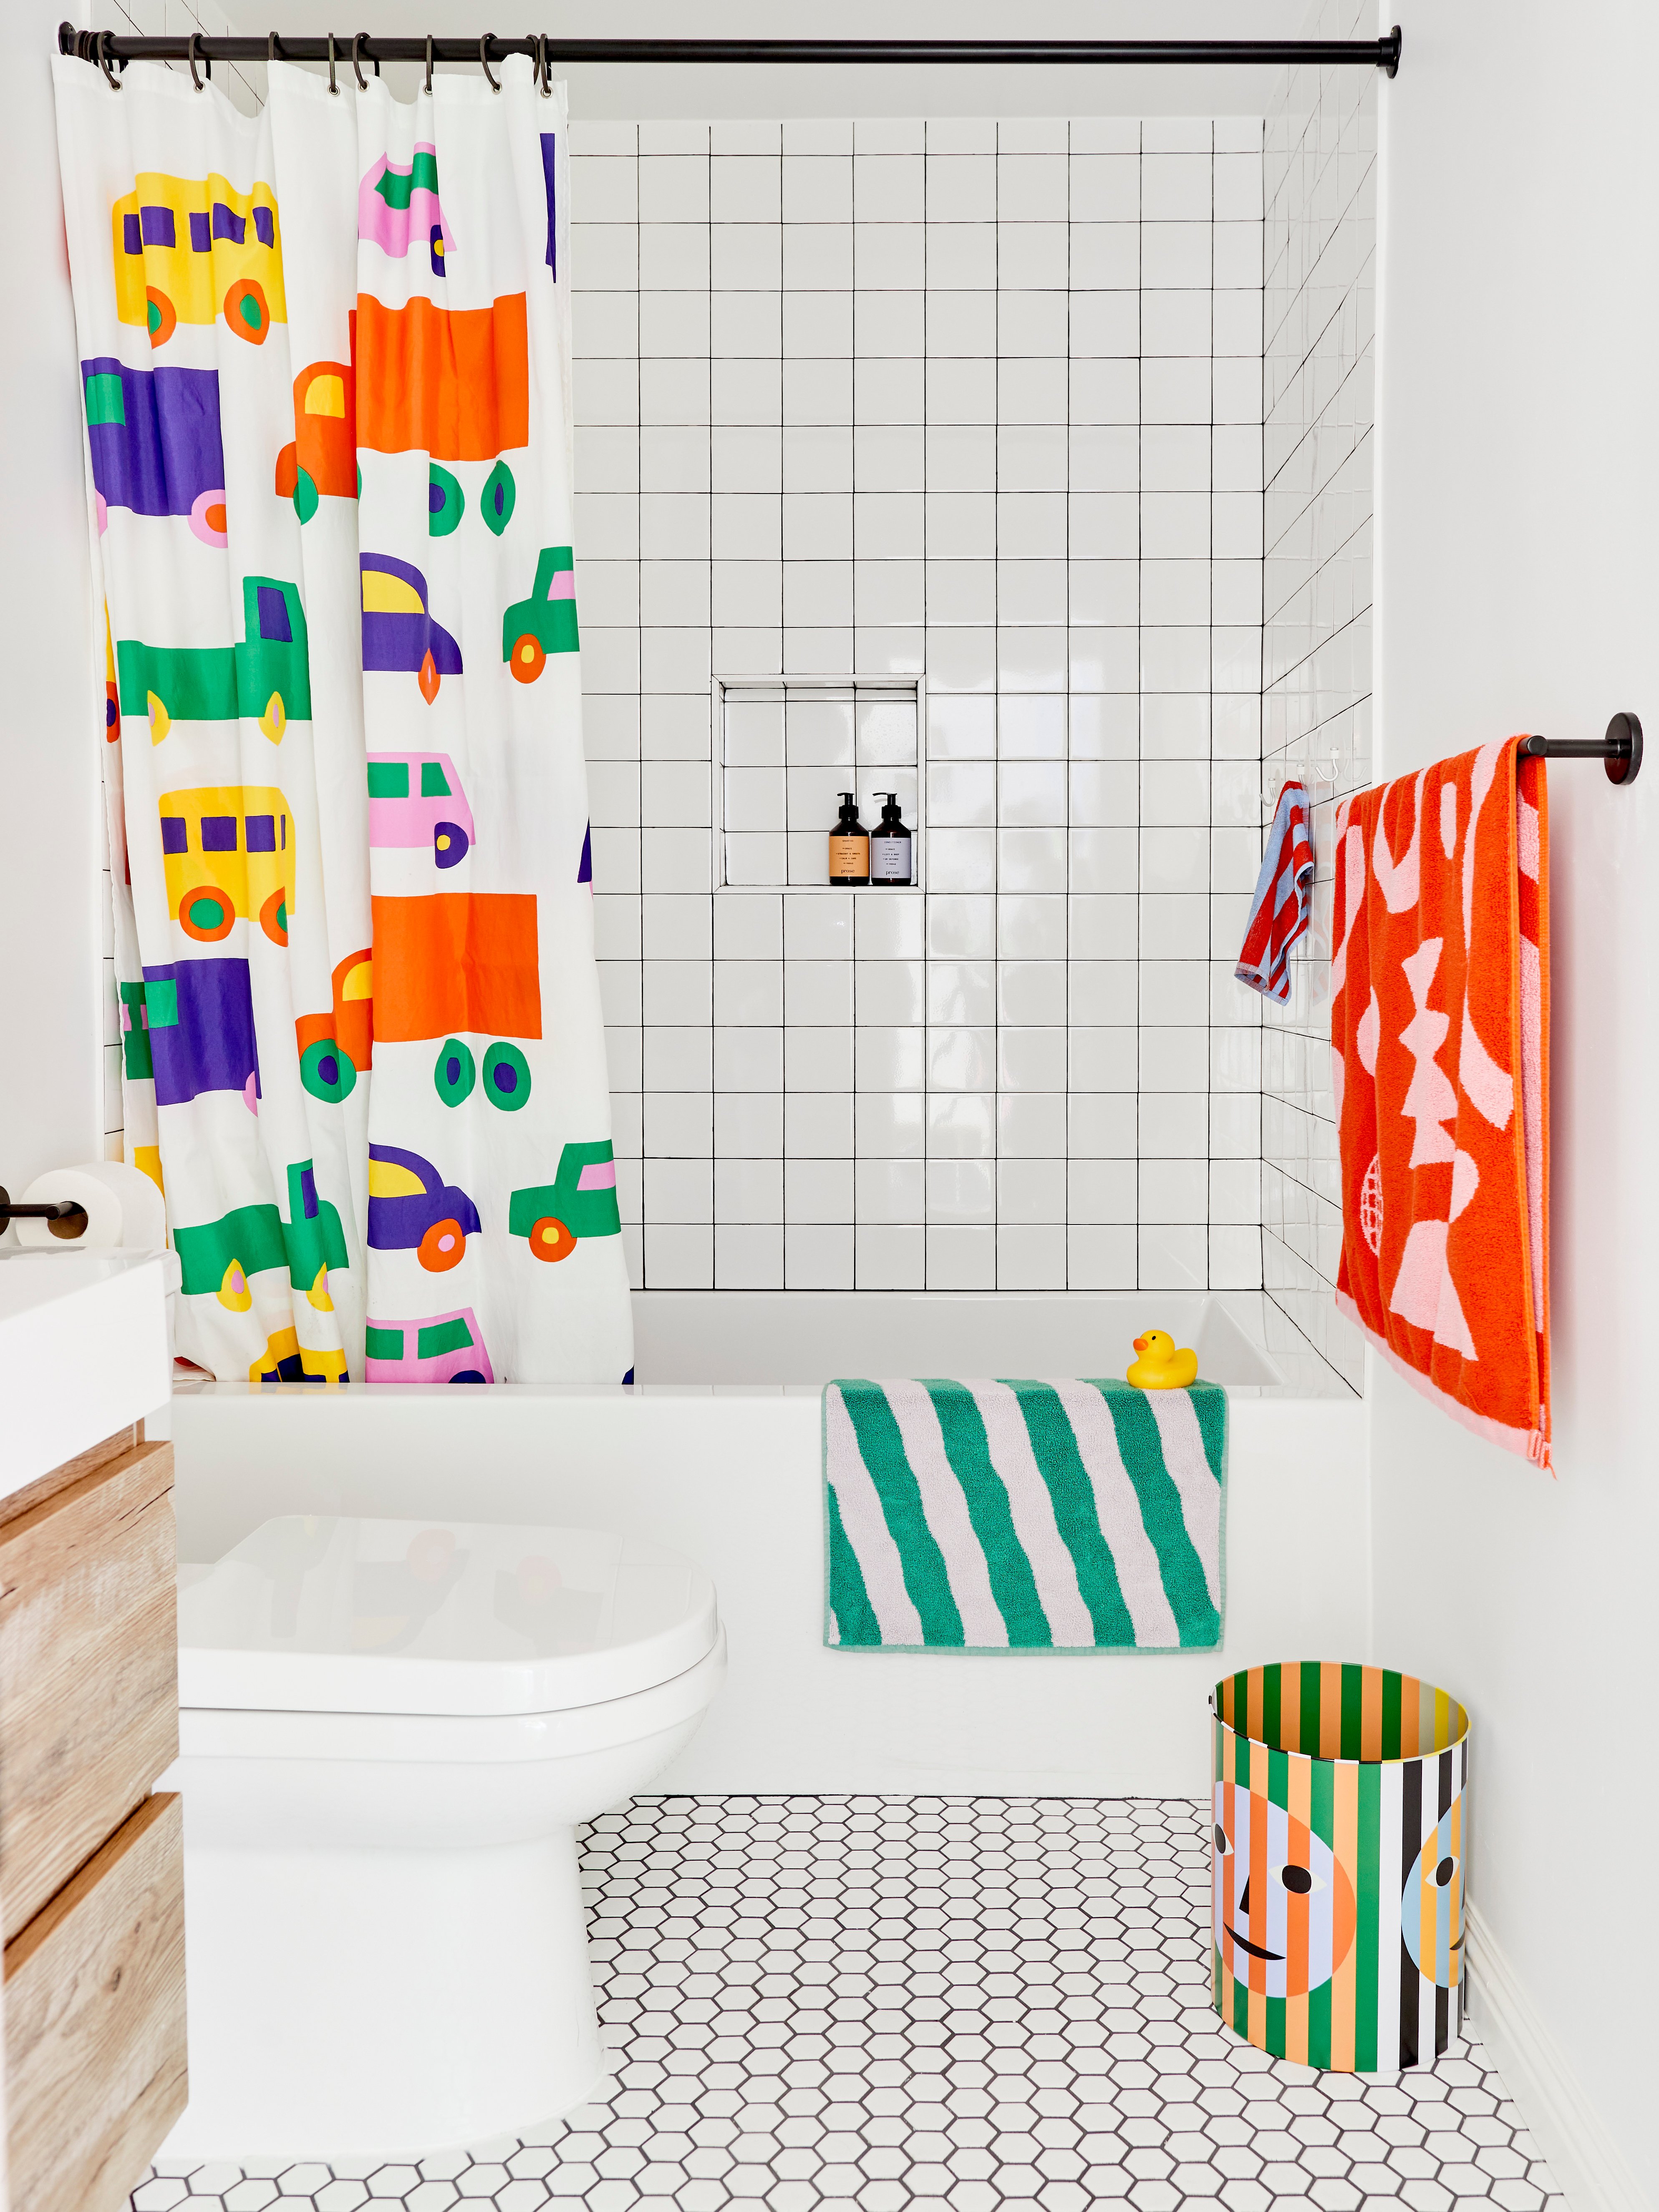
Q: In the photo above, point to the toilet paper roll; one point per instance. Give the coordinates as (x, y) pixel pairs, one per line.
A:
(125, 1211)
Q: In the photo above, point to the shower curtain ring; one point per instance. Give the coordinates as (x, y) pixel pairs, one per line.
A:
(270, 48)
(189, 56)
(429, 62)
(484, 60)
(114, 80)
(333, 86)
(543, 81)
(356, 43)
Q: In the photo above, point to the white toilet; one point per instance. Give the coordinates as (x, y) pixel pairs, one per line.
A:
(388, 1732)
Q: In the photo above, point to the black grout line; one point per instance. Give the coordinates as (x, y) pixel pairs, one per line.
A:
(996, 647)
(1209, 779)
(1311, 738)
(853, 515)
(1262, 742)
(716, 739)
(639, 719)
(1065, 911)
(1140, 660)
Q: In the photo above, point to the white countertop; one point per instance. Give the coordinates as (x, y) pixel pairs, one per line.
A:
(83, 1352)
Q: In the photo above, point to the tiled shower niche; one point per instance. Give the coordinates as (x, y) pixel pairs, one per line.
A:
(786, 748)
(977, 404)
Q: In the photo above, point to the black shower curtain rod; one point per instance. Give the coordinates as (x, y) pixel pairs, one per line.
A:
(114, 47)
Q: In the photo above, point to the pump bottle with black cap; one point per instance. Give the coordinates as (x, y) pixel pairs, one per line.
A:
(849, 847)
(889, 845)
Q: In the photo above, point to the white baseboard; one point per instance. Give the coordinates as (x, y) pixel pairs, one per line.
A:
(1586, 2163)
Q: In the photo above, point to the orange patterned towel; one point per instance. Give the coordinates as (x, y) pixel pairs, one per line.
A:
(1440, 1027)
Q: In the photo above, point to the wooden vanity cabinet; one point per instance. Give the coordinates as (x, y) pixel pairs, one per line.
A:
(91, 1862)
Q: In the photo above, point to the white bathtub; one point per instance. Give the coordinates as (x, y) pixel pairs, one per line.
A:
(809, 1337)
(716, 1452)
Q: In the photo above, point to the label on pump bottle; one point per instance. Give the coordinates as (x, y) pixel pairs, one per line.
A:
(849, 856)
(890, 859)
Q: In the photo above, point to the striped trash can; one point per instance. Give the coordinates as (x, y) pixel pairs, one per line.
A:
(1337, 1863)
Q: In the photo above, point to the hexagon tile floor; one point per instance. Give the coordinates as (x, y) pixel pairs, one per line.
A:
(930, 2005)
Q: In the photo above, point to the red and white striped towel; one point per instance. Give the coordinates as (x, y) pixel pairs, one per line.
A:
(1280, 911)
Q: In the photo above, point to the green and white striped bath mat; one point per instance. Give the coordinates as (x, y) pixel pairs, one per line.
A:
(1054, 1516)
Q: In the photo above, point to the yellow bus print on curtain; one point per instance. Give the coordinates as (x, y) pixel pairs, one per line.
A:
(189, 248)
(229, 853)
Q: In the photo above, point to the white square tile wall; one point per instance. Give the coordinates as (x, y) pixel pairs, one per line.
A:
(1319, 375)
(980, 401)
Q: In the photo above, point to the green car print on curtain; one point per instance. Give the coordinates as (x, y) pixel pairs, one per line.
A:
(327, 407)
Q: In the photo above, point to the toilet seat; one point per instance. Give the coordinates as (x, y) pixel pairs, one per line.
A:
(397, 1782)
(452, 1739)
(319, 1616)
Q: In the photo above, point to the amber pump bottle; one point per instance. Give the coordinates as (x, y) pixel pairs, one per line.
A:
(849, 847)
(889, 844)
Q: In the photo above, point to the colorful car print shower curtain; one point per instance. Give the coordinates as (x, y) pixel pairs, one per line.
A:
(326, 367)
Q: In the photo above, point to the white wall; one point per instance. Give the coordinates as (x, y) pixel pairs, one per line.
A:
(60, 1091)
(1518, 583)
(634, 91)
(50, 879)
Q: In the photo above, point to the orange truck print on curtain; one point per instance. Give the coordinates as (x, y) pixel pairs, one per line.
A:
(1440, 1050)
(451, 382)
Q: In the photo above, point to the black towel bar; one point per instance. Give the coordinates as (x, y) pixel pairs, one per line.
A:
(1622, 748)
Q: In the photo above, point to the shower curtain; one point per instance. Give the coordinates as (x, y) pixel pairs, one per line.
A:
(325, 365)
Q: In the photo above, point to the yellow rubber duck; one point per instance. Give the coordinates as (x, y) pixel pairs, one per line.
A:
(1160, 1366)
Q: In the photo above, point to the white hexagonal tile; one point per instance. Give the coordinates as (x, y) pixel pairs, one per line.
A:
(214, 2180)
(1332, 2194)
(930, 2005)
(444, 2166)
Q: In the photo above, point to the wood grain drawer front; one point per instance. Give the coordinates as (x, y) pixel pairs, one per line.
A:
(96, 2055)
(88, 1669)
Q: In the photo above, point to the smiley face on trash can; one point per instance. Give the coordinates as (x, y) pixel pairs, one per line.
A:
(1431, 1903)
(1283, 1909)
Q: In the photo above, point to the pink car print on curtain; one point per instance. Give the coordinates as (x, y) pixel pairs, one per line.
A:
(396, 205)
(416, 798)
(447, 1347)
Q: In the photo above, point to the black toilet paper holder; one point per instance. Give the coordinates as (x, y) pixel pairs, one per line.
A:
(53, 1209)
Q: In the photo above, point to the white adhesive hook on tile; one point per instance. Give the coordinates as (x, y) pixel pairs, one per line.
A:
(1320, 778)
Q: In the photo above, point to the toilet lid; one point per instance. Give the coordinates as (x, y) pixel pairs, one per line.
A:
(334, 1615)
